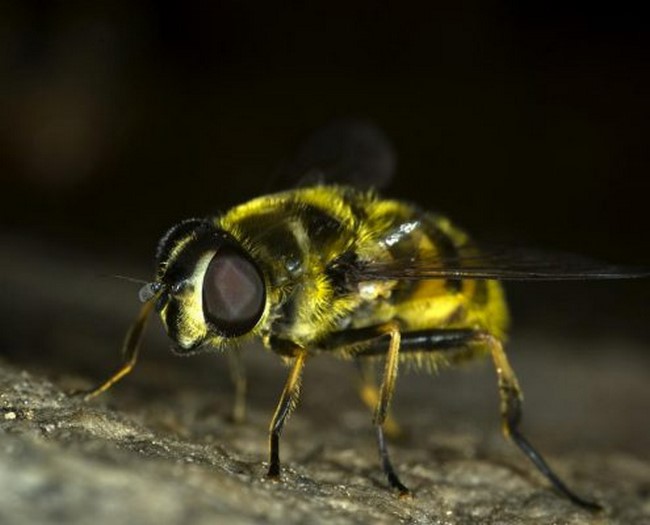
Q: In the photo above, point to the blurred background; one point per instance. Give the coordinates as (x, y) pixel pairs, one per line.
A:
(526, 124)
(120, 119)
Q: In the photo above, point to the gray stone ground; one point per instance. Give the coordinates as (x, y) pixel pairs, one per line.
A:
(160, 448)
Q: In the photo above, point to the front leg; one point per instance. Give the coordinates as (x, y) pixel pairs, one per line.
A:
(130, 350)
(287, 403)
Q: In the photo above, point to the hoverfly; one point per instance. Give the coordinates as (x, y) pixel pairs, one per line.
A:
(330, 268)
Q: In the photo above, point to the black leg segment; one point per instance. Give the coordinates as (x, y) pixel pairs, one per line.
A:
(387, 466)
(371, 341)
(512, 419)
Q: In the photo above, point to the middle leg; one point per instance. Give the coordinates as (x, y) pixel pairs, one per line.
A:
(371, 341)
(369, 394)
(385, 395)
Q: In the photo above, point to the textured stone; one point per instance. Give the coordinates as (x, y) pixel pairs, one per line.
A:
(146, 455)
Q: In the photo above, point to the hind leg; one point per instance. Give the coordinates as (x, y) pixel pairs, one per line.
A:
(511, 402)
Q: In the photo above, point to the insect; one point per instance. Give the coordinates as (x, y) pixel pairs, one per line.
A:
(340, 270)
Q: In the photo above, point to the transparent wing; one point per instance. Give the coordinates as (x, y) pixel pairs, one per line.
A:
(497, 263)
(345, 151)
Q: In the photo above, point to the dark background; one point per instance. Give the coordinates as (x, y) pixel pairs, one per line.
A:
(525, 124)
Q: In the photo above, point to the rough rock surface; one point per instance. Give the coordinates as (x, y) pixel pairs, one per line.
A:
(169, 454)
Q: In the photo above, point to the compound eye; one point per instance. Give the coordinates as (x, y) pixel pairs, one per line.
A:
(233, 292)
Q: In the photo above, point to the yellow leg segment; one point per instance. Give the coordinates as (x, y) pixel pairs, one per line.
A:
(390, 374)
(510, 393)
(130, 349)
(369, 394)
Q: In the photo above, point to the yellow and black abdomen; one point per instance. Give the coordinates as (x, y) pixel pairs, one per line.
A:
(408, 234)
